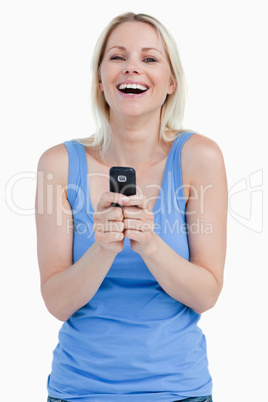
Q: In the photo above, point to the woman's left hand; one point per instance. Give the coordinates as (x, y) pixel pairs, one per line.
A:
(139, 223)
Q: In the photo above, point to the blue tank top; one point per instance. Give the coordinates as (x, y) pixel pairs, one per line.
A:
(132, 342)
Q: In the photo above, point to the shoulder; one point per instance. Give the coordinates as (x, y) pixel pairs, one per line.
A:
(54, 161)
(201, 156)
(201, 148)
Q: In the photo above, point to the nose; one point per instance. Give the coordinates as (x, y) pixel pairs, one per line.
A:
(128, 70)
(131, 67)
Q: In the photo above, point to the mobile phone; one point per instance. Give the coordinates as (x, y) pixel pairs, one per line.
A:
(123, 181)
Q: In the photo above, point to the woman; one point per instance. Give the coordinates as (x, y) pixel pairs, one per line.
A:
(130, 282)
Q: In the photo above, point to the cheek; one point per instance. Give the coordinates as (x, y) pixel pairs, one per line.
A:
(103, 78)
(105, 83)
(166, 86)
(107, 75)
(162, 79)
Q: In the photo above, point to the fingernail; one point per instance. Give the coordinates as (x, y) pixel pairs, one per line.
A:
(124, 199)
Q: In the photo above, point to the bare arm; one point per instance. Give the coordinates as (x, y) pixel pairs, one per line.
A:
(65, 286)
(198, 282)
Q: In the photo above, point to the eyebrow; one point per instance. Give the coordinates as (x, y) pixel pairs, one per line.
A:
(144, 49)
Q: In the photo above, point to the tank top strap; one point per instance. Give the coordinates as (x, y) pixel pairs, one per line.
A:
(176, 168)
(77, 173)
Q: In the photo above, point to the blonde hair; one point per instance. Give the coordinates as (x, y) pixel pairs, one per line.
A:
(172, 110)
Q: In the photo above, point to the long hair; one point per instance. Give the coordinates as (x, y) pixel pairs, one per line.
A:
(172, 110)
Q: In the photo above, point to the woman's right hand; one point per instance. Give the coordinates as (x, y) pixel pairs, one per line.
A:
(67, 285)
(108, 222)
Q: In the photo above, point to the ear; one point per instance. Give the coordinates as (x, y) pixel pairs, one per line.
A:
(100, 86)
(171, 87)
(100, 83)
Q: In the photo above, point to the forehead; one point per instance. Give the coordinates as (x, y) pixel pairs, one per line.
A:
(138, 34)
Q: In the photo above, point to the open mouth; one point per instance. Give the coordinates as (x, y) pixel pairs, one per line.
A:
(134, 89)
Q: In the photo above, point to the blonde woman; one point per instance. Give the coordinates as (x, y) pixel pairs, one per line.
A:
(130, 282)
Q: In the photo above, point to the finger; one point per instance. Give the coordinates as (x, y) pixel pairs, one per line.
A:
(108, 198)
(108, 237)
(110, 214)
(137, 200)
(138, 236)
(138, 225)
(108, 226)
(138, 213)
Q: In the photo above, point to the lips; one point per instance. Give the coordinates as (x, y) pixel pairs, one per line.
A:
(132, 88)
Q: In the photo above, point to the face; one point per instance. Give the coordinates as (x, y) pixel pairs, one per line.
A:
(135, 73)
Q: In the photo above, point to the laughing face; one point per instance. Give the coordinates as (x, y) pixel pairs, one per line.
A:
(135, 73)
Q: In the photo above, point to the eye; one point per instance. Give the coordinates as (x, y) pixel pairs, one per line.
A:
(116, 58)
(150, 60)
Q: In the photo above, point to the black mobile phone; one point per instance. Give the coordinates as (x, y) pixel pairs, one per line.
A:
(123, 181)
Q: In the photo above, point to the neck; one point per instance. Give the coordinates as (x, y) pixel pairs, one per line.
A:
(134, 142)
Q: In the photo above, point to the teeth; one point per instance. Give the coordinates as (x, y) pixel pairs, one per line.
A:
(133, 86)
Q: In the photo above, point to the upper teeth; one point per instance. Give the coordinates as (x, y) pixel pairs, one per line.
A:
(133, 86)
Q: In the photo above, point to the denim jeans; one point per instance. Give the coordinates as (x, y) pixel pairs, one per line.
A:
(195, 399)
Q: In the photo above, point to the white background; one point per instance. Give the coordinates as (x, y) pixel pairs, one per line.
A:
(46, 48)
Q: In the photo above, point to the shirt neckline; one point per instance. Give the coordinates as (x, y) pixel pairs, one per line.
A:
(85, 177)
